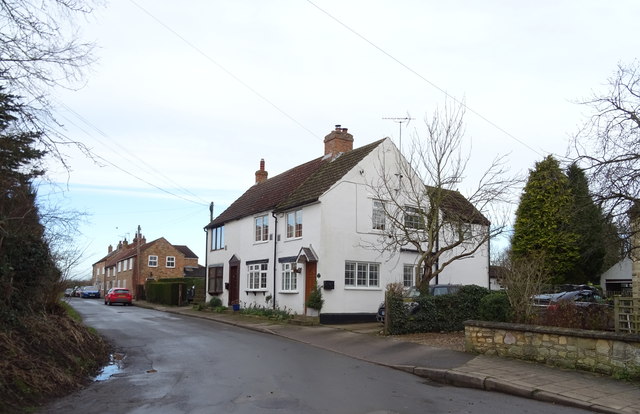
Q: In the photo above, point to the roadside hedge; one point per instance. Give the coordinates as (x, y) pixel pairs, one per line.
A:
(169, 292)
(444, 313)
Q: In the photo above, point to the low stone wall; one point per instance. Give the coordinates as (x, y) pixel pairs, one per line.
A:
(604, 352)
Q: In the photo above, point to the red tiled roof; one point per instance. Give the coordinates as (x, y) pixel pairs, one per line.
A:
(455, 206)
(186, 251)
(131, 251)
(298, 186)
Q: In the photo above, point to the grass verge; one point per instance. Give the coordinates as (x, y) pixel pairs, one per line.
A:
(46, 355)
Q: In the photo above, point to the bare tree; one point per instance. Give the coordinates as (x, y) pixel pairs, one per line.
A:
(40, 49)
(522, 278)
(423, 210)
(608, 145)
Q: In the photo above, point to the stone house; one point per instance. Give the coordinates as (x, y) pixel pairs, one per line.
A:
(318, 224)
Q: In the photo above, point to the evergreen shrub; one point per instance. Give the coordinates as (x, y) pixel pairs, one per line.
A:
(444, 313)
(495, 307)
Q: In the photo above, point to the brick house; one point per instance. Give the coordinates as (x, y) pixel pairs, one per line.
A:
(309, 225)
(159, 259)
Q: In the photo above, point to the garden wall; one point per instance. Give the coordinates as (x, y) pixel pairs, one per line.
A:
(604, 352)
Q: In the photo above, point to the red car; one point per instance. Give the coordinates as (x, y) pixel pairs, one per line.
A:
(118, 295)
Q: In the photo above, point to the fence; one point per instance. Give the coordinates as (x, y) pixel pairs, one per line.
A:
(627, 314)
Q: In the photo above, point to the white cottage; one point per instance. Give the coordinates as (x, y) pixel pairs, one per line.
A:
(317, 223)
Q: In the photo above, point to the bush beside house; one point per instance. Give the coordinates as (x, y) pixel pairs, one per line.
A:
(444, 313)
(173, 292)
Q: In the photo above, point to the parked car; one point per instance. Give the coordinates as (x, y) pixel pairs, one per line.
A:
(90, 292)
(410, 294)
(582, 298)
(68, 292)
(118, 295)
(437, 290)
(408, 297)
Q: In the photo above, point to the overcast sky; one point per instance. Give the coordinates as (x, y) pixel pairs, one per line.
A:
(187, 97)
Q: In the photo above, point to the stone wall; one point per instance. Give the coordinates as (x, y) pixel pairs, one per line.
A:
(603, 352)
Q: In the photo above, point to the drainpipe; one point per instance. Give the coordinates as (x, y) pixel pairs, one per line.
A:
(206, 253)
(275, 256)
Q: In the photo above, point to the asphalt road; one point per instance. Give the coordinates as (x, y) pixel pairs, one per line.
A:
(177, 364)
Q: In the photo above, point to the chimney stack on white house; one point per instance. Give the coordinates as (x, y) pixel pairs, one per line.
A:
(261, 174)
(338, 141)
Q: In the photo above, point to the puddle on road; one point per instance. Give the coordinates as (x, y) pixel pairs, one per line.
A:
(115, 366)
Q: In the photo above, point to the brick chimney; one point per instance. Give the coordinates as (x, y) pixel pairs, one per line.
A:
(338, 140)
(261, 174)
(110, 249)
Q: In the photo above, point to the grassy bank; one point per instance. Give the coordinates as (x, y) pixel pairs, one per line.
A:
(44, 356)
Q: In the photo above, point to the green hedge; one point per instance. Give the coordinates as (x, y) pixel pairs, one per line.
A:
(495, 307)
(168, 291)
(444, 313)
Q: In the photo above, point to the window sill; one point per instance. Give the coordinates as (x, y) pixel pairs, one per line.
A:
(255, 292)
(371, 288)
(289, 292)
(292, 239)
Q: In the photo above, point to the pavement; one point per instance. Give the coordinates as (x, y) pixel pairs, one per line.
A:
(574, 388)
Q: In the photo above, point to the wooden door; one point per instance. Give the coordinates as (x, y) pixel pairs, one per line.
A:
(234, 285)
(309, 280)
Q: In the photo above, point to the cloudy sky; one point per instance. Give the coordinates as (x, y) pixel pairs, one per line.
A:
(187, 97)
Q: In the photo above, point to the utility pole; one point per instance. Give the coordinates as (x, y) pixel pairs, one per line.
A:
(137, 276)
(400, 121)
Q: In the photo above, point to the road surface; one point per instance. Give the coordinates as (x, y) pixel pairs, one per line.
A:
(177, 364)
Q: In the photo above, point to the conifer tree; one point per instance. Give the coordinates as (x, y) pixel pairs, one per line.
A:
(588, 223)
(542, 225)
(27, 272)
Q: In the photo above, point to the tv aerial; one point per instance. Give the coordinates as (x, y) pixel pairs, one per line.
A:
(400, 121)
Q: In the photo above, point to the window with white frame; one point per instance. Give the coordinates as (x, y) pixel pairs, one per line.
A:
(171, 261)
(465, 231)
(257, 276)
(289, 277)
(124, 265)
(361, 274)
(262, 228)
(413, 218)
(119, 266)
(294, 224)
(153, 261)
(408, 275)
(378, 217)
